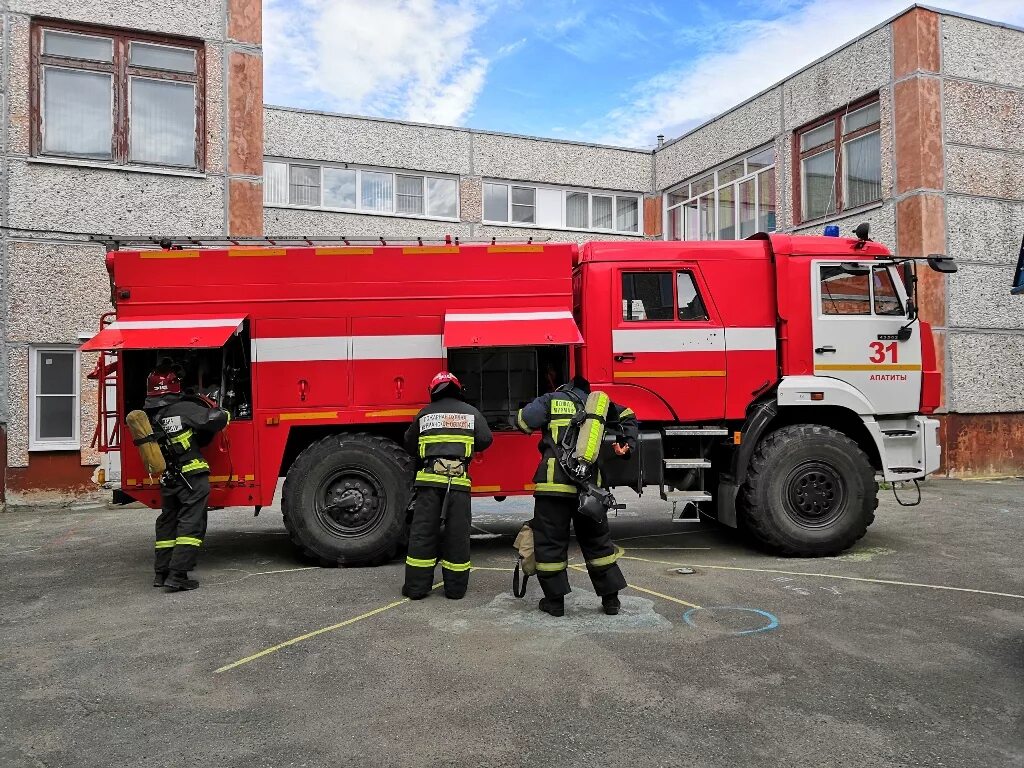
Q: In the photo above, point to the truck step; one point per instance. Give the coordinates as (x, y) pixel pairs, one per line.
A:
(696, 432)
(905, 470)
(685, 497)
(686, 501)
(687, 464)
(899, 432)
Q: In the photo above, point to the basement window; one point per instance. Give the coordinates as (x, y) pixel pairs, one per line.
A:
(109, 95)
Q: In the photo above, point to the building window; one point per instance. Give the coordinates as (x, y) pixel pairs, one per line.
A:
(359, 190)
(556, 208)
(840, 162)
(120, 97)
(729, 203)
(53, 404)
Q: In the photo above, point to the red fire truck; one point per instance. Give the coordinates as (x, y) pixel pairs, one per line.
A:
(777, 379)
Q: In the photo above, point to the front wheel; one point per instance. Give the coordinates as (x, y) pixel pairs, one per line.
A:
(810, 492)
(345, 499)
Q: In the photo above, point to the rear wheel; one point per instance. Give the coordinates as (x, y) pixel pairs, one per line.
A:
(345, 499)
(810, 492)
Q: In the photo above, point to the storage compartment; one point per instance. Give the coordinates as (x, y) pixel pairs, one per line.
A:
(501, 380)
(222, 374)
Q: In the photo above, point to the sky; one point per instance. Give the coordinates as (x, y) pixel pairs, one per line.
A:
(615, 73)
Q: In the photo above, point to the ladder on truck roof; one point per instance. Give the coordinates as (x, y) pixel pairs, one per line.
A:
(117, 242)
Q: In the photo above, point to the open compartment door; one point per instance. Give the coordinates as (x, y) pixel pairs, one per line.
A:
(198, 332)
(510, 328)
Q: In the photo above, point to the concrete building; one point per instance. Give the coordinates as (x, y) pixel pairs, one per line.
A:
(914, 126)
(127, 117)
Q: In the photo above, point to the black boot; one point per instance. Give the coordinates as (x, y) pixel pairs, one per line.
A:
(159, 578)
(179, 582)
(555, 606)
(610, 603)
(454, 595)
(413, 595)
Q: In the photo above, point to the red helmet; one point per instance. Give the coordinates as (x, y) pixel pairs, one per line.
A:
(442, 380)
(161, 383)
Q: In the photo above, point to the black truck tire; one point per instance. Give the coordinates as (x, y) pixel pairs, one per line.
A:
(810, 492)
(345, 499)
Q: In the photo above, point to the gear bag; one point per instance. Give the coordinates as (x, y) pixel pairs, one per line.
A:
(147, 442)
(525, 560)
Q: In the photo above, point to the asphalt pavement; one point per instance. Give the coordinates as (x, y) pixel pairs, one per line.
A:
(906, 651)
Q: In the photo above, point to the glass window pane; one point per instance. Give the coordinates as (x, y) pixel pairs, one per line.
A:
(727, 213)
(162, 57)
(844, 293)
(601, 212)
(495, 202)
(78, 46)
(577, 206)
(818, 191)
(819, 136)
(523, 205)
(56, 373)
(691, 220)
(691, 307)
(862, 118)
(766, 201)
(275, 183)
(679, 196)
(701, 186)
(675, 223)
(163, 122)
(443, 198)
(339, 188)
(862, 170)
(747, 209)
(730, 173)
(55, 418)
(378, 190)
(77, 112)
(409, 194)
(706, 219)
(887, 301)
(304, 185)
(627, 214)
(762, 159)
(647, 296)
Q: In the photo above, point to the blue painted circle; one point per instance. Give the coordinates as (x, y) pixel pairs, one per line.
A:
(773, 620)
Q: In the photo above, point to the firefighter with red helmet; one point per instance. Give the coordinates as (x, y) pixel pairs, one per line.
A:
(557, 500)
(443, 437)
(183, 426)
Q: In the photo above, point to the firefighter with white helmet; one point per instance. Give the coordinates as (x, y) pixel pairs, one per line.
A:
(558, 501)
(181, 427)
(443, 437)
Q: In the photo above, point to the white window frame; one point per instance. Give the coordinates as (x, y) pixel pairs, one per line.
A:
(34, 442)
(711, 196)
(358, 209)
(564, 193)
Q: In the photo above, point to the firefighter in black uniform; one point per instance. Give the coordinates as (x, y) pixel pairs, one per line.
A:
(556, 501)
(443, 437)
(185, 486)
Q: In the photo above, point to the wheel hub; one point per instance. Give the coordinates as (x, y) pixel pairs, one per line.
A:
(350, 502)
(815, 494)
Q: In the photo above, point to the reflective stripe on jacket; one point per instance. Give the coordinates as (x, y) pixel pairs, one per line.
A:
(443, 437)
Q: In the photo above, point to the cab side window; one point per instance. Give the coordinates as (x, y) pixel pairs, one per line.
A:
(691, 307)
(647, 296)
(845, 293)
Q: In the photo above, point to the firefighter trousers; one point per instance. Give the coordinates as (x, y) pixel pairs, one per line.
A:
(428, 542)
(181, 526)
(551, 518)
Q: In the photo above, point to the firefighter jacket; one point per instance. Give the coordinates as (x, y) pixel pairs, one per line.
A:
(443, 437)
(188, 426)
(552, 413)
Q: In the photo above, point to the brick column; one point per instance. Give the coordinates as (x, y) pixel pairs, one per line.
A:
(245, 117)
(651, 224)
(919, 161)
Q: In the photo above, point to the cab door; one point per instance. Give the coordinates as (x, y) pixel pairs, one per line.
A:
(861, 308)
(667, 338)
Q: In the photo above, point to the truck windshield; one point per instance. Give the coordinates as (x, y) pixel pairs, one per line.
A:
(859, 291)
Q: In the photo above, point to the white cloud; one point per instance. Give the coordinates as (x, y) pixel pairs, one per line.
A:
(740, 59)
(410, 59)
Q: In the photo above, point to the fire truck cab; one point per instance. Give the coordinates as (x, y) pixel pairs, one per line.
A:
(777, 379)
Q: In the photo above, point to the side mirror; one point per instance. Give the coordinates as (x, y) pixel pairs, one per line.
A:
(911, 309)
(862, 231)
(942, 263)
(904, 333)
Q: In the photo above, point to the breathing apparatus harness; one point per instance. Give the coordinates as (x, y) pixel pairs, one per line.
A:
(579, 448)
